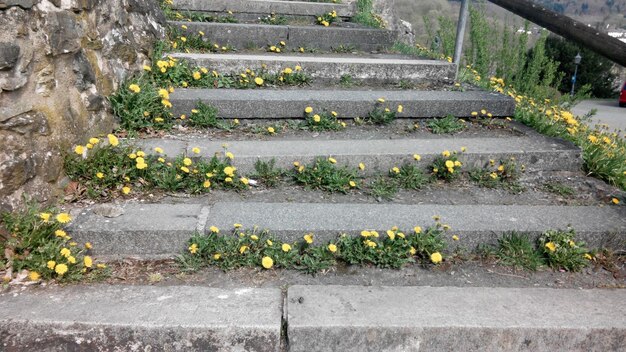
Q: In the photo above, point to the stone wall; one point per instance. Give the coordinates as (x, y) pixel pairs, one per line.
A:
(59, 60)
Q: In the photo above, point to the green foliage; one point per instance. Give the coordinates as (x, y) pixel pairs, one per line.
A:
(517, 250)
(326, 19)
(503, 175)
(562, 251)
(194, 16)
(205, 116)
(38, 244)
(380, 114)
(244, 248)
(183, 40)
(108, 170)
(447, 166)
(324, 121)
(141, 108)
(446, 37)
(267, 172)
(409, 177)
(365, 15)
(480, 53)
(381, 188)
(346, 81)
(594, 69)
(448, 124)
(274, 19)
(342, 49)
(325, 175)
(559, 189)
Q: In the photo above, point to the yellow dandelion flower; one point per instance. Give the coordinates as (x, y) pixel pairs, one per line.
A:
(196, 150)
(51, 264)
(33, 276)
(187, 162)
(259, 81)
(60, 233)
(400, 108)
(230, 155)
(79, 149)
(285, 247)
(87, 261)
(134, 88)
(332, 160)
(308, 109)
(126, 190)
(214, 229)
(243, 249)
(445, 153)
(317, 118)
(88, 245)
(332, 248)
(455, 238)
(113, 140)
(64, 218)
(308, 238)
(267, 262)
(60, 269)
(436, 257)
(615, 201)
(551, 246)
(417, 230)
(193, 249)
(271, 130)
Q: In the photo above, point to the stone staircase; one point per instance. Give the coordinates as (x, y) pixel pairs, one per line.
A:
(326, 318)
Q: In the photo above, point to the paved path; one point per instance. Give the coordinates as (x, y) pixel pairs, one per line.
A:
(608, 113)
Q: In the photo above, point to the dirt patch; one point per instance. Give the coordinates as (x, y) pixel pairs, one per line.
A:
(293, 129)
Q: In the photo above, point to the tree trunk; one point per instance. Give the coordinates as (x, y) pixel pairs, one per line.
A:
(601, 43)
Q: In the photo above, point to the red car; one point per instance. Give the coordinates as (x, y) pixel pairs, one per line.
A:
(622, 97)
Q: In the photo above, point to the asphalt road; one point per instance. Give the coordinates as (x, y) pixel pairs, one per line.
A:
(608, 113)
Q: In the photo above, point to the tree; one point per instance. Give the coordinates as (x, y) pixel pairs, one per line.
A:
(593, 69)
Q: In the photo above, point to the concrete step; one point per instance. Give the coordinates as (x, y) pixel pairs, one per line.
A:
(314, 317)
(241, 35)
(380, 69)
(265, 7)
(148, 230)
(411, 319)
(146, 318)
(536, 152)
(290, 103)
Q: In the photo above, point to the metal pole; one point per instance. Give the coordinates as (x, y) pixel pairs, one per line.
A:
(574, 80)
(460, 34)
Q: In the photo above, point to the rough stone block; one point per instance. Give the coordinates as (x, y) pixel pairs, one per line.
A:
(9, 53)
(63, 32)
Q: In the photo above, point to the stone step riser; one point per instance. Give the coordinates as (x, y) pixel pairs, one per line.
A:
(355, 319)
(264, 7)
(145, 318)
(290, 104)
(247, 36)
(149, 230)
(312, 318)
(390, 153)
(331, 69)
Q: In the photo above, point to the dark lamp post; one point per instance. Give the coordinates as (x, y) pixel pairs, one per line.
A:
(577, 60)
